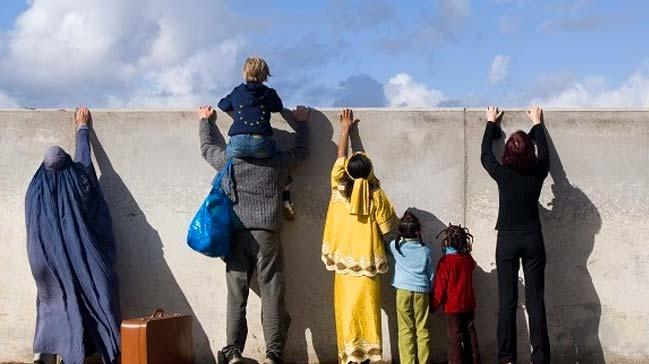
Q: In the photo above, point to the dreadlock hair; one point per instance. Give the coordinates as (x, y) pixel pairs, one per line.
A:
(458, 238)
(409, 228)
(359, 166)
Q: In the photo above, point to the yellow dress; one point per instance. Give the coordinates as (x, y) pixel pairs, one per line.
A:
(353, 248)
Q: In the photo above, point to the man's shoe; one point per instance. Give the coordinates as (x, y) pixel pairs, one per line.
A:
(271, 358)
(233, 358)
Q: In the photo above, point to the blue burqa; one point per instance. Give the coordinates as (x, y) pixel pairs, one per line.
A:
(71, 251)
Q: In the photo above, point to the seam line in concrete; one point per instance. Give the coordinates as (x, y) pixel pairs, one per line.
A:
(466, 168)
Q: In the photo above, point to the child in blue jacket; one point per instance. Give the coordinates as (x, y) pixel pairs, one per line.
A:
(250, 105)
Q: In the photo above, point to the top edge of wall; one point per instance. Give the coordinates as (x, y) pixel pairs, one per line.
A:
(390, 109)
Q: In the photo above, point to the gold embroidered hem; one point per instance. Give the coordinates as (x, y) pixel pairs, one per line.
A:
(348, 265)
(360, 351)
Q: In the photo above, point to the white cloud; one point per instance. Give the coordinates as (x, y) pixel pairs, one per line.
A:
(402, 91)
(499, 69)
(593, 91)
(6, 101)
(62, 52)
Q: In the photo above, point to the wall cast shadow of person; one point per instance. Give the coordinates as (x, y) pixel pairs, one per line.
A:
(146, 281)
(485, 284)
(309, 292)
(570, 224)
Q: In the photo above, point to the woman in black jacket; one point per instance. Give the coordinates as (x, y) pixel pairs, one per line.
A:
(520, 178)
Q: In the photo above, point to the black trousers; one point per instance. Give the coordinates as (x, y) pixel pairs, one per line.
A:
(514, 247)
(462, 339)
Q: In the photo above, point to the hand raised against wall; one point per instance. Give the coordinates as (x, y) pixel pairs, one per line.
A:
(82, 116)
(347, 119)
(207, 112)
(535, 113)
(494, 114)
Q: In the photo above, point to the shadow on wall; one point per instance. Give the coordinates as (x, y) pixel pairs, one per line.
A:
(574, 309)
(151, 283)
(309, 286)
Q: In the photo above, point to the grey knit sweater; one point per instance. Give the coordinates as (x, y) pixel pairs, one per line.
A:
(258, 183)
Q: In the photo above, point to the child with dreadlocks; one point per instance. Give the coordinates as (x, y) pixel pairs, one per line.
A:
(412, 278)
(453, 288)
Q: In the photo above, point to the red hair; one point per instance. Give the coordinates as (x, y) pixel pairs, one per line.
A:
(519, 152)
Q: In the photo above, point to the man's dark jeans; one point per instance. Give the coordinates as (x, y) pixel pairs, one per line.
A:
(258, 250)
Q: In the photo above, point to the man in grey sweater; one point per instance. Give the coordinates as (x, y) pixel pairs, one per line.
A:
(255, 187)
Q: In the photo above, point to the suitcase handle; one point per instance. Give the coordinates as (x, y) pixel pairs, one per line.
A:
(158, 313)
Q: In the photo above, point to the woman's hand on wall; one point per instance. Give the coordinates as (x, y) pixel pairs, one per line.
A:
(301, 113)
(207, 112)
(82, 116)
(347, 120)
(494, 114)
(535, 113)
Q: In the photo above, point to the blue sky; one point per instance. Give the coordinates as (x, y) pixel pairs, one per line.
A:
(160, 53)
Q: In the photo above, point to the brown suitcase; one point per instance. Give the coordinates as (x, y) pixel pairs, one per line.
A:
(157, 339)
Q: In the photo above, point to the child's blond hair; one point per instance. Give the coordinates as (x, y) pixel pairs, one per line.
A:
(255, 69)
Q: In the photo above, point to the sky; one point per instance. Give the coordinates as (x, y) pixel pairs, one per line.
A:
(326, 53)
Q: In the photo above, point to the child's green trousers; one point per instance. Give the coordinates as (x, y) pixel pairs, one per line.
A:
(412, 318)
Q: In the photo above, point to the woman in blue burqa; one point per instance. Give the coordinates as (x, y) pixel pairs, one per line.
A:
(71, 251)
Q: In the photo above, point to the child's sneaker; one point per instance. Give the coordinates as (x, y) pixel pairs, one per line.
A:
(289, 212)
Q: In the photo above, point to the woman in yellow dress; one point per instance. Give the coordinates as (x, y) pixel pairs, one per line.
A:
(359, 215)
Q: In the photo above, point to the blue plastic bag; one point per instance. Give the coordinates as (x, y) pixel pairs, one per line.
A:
(211, 228)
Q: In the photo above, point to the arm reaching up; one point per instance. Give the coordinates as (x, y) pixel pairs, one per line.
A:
(346, 123)
(82, 118)
(300, 151)
(212, 143)
(492, 132)
(538, 134)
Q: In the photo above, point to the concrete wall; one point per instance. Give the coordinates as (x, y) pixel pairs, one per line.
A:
(595, 210)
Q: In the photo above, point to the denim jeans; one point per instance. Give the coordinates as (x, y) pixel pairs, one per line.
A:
(251, 146)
